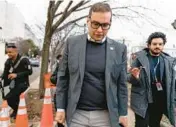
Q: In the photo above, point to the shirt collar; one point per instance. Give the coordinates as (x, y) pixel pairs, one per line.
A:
(91, 39)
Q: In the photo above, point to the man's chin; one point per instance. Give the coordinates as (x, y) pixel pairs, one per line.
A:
(156, 53)
(10, 57)
(99, 39)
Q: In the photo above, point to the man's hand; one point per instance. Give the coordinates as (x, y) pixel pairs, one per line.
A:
(123, 120)
(135, 72)
(60, 117)
(12, 76)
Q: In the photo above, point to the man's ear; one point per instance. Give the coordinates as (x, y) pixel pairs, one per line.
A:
(88, 19)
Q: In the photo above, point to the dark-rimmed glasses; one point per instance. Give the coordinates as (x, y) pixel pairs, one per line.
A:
(96, 25)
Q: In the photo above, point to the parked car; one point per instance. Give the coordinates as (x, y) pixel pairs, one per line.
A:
(35, 62)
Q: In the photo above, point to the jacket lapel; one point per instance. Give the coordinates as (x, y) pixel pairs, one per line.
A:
(161, 68)
(143, 59)
(168, 71)
(82, 55)
(110, 49)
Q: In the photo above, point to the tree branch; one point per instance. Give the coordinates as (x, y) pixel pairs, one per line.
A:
(83, 8)
(58, 14)
(68, 6)
(58, 3)
(67, 14)
(129, 7)
(69, 23)
(79, 25)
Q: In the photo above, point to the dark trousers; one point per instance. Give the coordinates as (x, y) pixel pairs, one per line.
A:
(13, 97)
(153, 115)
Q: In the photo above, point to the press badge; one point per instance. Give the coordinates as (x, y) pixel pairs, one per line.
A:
(159, 86)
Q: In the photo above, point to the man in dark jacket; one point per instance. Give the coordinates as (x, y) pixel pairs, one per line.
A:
(153, 83)
(53, 78)
(16, 74)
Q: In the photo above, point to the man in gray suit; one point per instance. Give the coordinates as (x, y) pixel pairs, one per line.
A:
(153, 83)
(91, 88)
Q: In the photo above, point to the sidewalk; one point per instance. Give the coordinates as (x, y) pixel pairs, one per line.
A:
(35, 83)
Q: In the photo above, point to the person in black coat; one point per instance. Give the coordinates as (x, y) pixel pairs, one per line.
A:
(15, 75)
(53, 80)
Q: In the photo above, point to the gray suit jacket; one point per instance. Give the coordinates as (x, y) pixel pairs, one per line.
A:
(71, 74)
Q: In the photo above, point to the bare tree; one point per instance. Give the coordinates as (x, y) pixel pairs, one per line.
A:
(58, 41)
(57, 25)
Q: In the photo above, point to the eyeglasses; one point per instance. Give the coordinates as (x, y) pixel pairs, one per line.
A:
(96, 25)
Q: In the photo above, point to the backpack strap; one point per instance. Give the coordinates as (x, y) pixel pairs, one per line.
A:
(16, 65)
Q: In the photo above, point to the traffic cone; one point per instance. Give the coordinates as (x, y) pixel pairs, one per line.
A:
(4, 115)
(22, 118)
(47, 111)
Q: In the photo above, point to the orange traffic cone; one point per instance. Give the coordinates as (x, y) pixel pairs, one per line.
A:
(47, 111)
(22, 118)
(4, 115)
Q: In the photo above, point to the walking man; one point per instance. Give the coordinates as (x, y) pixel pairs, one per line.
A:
(16, 74)
(91, 88)
(153, 83)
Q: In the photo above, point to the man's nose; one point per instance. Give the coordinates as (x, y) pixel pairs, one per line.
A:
(99, 29)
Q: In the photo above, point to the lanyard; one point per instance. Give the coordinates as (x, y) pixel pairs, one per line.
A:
(154, 69)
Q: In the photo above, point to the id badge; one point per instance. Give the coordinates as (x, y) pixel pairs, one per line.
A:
(159, 86)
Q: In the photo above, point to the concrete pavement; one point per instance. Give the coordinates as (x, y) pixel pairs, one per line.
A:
(35, 83)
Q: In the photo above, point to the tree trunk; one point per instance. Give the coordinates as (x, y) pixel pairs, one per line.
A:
(44, 65)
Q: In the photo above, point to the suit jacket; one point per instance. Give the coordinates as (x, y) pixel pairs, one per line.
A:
(71, 74)
(141, 93)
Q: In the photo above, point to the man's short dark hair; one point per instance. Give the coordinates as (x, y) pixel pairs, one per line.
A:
(59, 56)
(156, 35)
(100, 7)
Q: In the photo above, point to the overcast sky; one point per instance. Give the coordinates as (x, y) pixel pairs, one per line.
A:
(34, 12)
